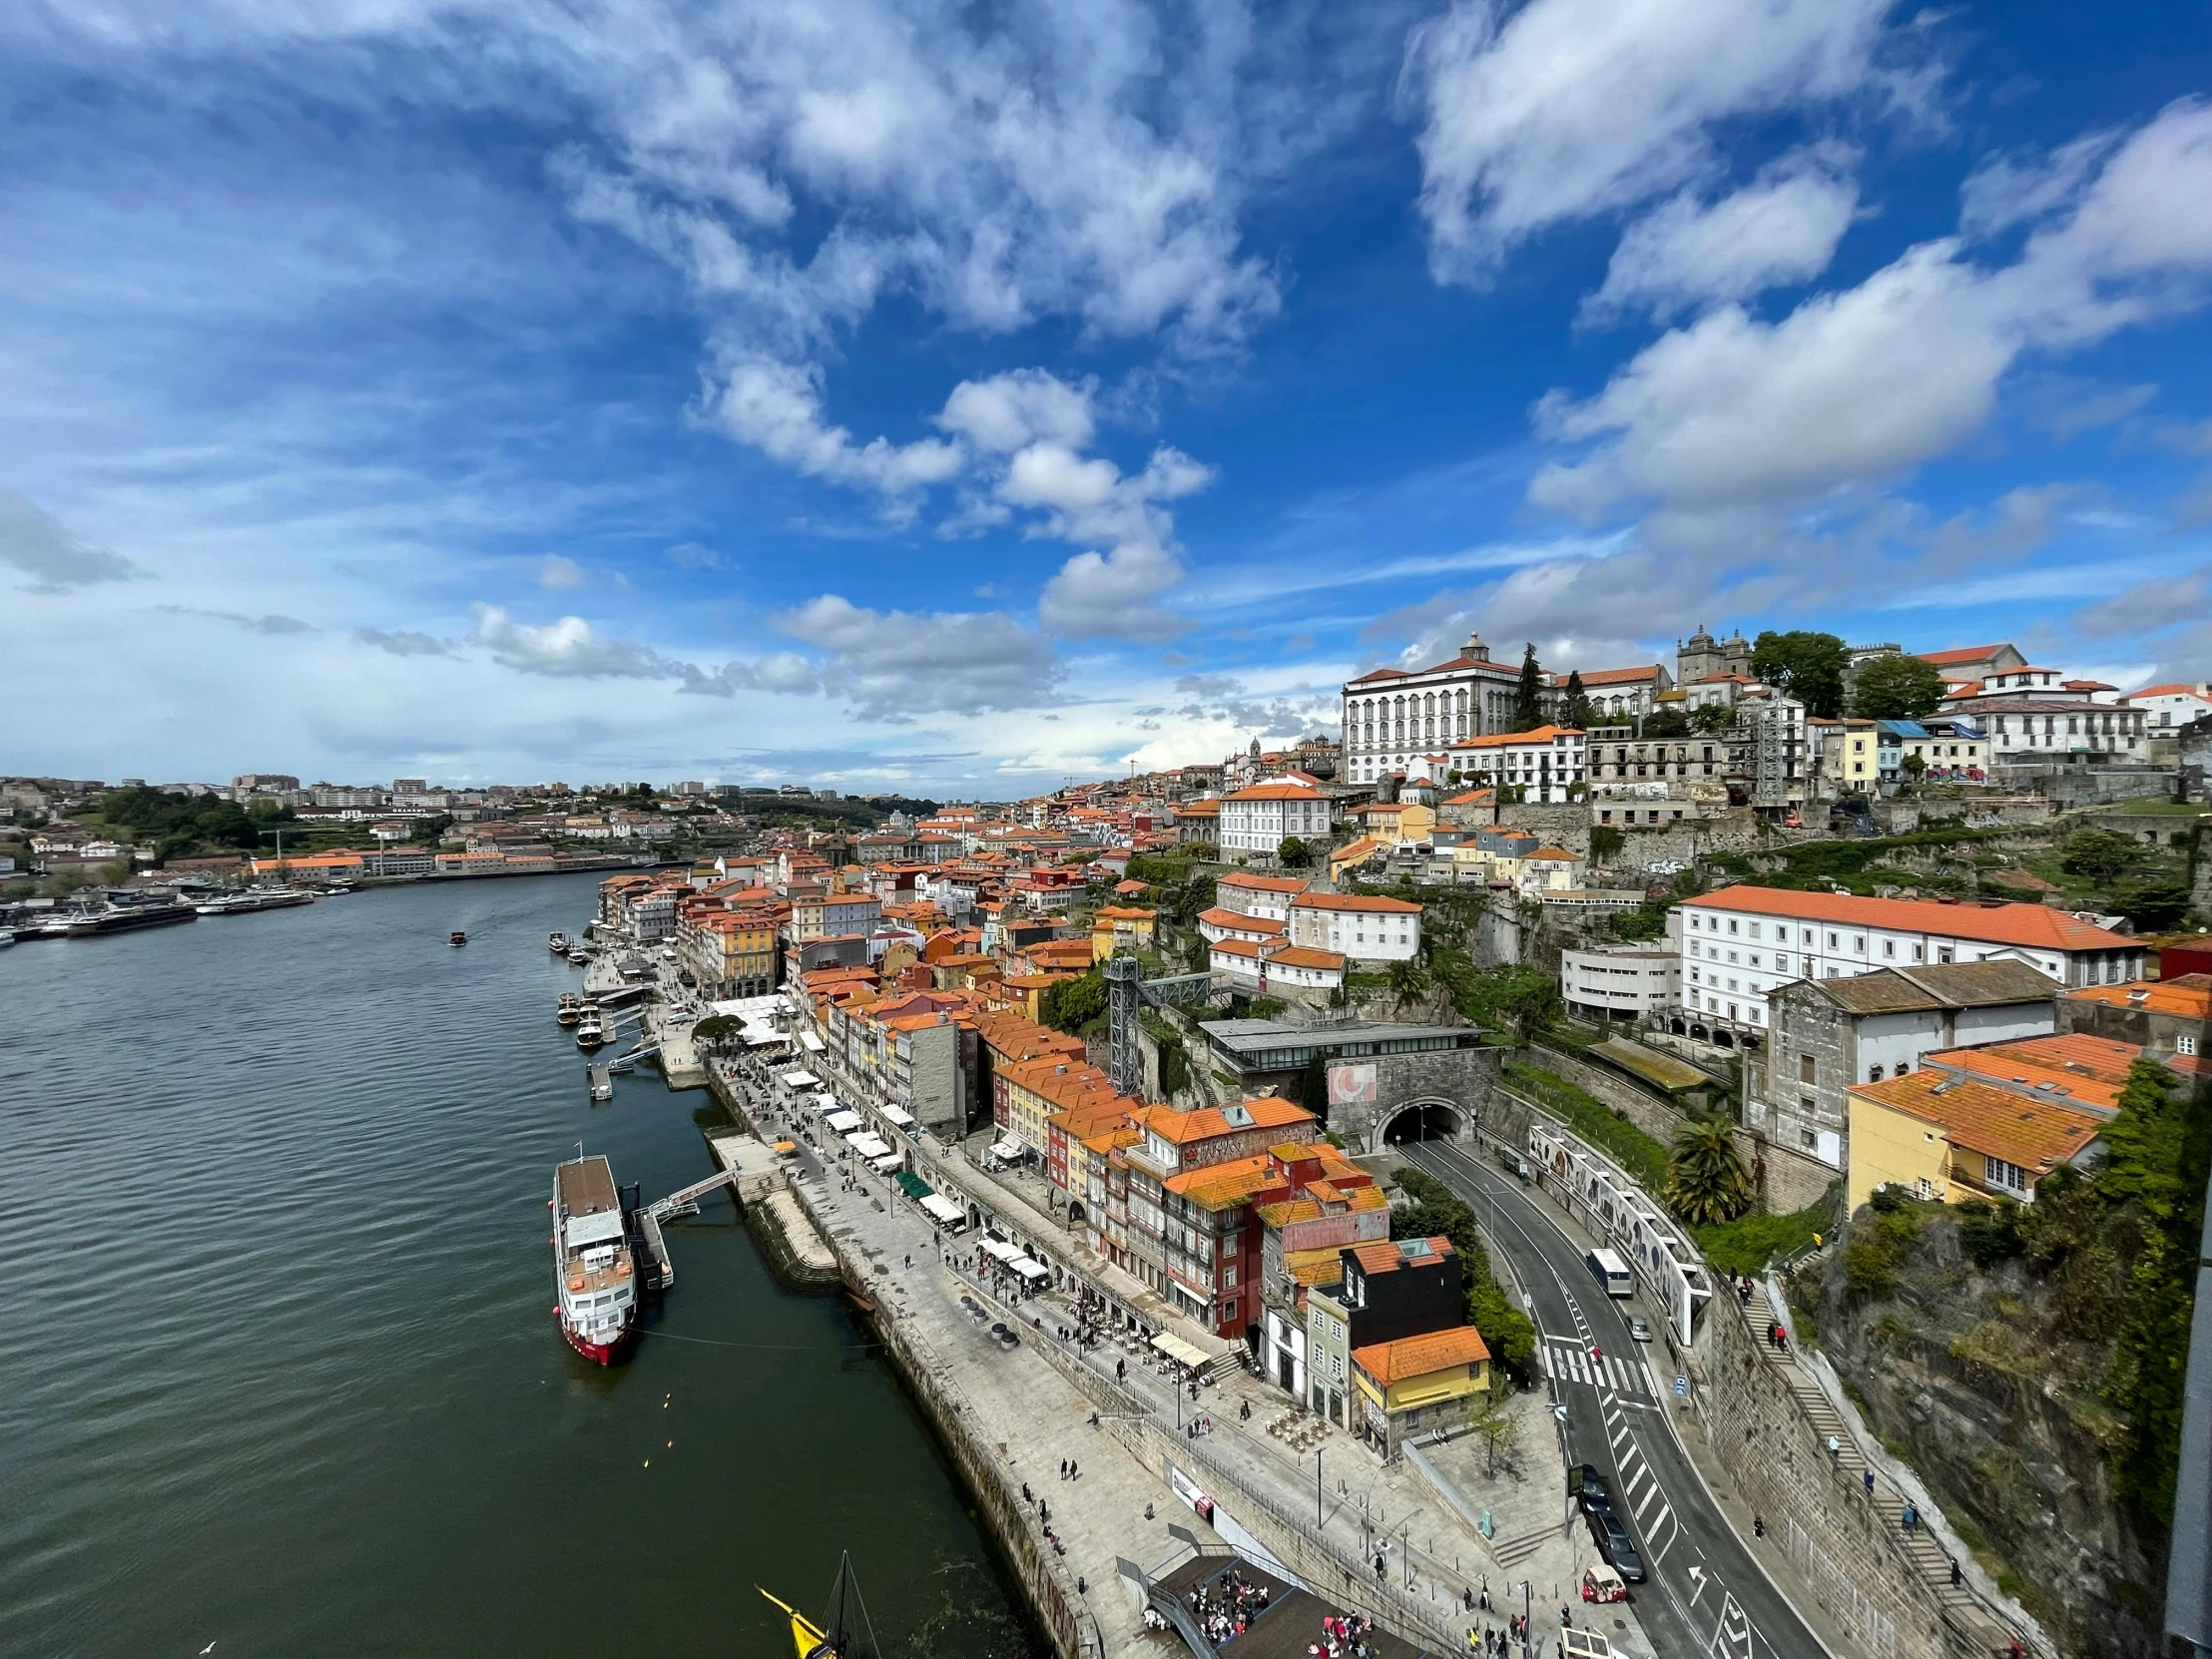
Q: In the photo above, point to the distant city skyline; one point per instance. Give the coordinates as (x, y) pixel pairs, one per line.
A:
(961, 402)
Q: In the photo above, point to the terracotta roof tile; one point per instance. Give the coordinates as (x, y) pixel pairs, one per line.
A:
(1979, 1117)
(2034, 925)
(1421, 1355)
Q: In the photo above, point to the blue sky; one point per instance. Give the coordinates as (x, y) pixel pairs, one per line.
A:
(967, 398)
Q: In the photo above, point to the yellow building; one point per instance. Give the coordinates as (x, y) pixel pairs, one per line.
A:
(1119, 928)
(1939, 1136)
(1353, 853)
(1420, 1383)
(1397, 820)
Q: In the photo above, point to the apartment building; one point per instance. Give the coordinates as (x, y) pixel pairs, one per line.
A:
(1257, 818)
(1366, 929)
(1547, 766)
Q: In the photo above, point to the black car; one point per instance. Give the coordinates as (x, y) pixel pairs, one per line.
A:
(1610, 1534)
(1588, 1488)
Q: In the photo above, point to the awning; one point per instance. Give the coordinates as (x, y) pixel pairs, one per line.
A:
(798, 1081)
(899, 1115)
(843, 1123)
(824, 1103)
(913, 1185)
(1030, 1270)
(758, 1036)
(1181, 1351)
(1008, 1149)
(943, 1210)
(869, 1146)
(809, 1042)
(1004, 1251)
(885, 1164)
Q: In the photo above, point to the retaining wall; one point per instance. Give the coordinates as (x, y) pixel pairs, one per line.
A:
(1842, 1548)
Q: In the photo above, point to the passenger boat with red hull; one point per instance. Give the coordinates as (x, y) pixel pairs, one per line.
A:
(595, 1281)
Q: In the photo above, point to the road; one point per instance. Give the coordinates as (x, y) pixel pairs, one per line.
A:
(1706, 1595)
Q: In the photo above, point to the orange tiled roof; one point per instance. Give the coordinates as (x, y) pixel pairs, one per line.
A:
(1620, 675)
(1354, 901)
(1262, 883)
(2085, 1070)
(1237, 919)
(1384, 1256)
(2034, 925)
(1268, 1111)
(1421, 1355)
(1277, 792)
(1501, 739)
(1979, 1117)
(1961, 654)
(2189, 996)
(1218, 1185)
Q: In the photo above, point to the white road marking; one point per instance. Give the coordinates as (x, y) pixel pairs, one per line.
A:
(1644, 1502)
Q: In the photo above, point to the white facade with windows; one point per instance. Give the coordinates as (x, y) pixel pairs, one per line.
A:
(1257, 820)
(1546, 765)
(2166, 707)
(1741, 943)
(1392, 718)
(1366, 929)
(2027, 730)
(1621, 980)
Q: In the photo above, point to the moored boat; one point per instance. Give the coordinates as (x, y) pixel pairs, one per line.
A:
(557, 942)
(571, 1009)
(595, 1285)
(589, 1032)
(579, 956)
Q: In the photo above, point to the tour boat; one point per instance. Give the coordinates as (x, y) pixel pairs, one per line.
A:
(579, 957)
(255, 898)
(590, 1034)
(571, 1009)
(594, 1282)
(457, 937)
(840, 1640)
(557, 942)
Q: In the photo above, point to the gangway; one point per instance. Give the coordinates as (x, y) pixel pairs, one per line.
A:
(687, 1198)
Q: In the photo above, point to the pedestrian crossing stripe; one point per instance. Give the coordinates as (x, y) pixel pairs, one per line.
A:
(1628, 1377)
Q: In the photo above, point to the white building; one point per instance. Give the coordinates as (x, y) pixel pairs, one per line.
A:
(2023, 730)
(1621, 980)
(1363, 929)
(1278, 966)
(1624, 692)
(2169, 705)
(1257, 818)
(1221, 923)
(1741, 943)
(1543, 764)
(1258, 895)
(1392, 717)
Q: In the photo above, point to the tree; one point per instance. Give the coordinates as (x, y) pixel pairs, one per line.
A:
(1912, 765)
(1606, 844)
(1809, 666)
(1897, 688)
(1073, 1003)
(1408, 980)
(1293, 852)
(2098, 855)
(1666, 723)
(2155, 906)
(1529, 696)
(1575, 711)
(1706, 1178)
(1499, 1427)
(1711, 719)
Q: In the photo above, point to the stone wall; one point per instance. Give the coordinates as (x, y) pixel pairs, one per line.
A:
(2091, 786)
(1566, 826)
(1737, 829)
(1843, 1550)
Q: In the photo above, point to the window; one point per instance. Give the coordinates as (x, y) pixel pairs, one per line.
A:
(2185, 1045)
(1807, 1072)
(1888, 947)
(1874, 1074)
(2010, 1177)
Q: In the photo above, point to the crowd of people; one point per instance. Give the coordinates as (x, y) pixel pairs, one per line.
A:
(1348, 1637)
(1226, 1607)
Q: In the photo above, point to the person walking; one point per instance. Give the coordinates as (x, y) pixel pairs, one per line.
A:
(1867, 1477)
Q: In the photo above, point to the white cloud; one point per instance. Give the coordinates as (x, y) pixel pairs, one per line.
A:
(785, 671)
(568, 649)
(1012, 410)
(404, 642)
(33, 543)
(777, 408)
(901, 664)
(1114, 595)
(1863, 387)
(1689, 251)
(1568, 108)
(556, 573)
(273, 623)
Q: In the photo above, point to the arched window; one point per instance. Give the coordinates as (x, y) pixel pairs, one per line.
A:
(1874, 1074)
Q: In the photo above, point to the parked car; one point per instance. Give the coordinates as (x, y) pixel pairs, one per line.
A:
(1610, 1534)
(1588, 1490)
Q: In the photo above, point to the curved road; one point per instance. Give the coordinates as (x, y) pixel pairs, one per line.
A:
(1705, 1594)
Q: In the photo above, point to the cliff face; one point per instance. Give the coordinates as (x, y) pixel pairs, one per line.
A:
(1965, 1362)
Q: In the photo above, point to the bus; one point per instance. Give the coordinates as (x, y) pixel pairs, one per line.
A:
(1610, 1271)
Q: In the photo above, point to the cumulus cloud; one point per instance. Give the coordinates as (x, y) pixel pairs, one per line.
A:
(1010, 411)
(1863, 387)
(785, 671)
(34, 543)
(1564, 110)
(1690, 252)
(2149, 607)
(892, 664)
(777, 408)
(569, 648)
(556, 573)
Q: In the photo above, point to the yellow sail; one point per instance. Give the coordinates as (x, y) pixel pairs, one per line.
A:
(808, 1640)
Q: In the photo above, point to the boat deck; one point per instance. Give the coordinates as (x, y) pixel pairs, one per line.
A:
(585, 1187)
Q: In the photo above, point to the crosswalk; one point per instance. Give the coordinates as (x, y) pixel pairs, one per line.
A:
(1572, 1362)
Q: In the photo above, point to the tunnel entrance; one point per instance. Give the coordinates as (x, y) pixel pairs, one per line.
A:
(1426, 1120)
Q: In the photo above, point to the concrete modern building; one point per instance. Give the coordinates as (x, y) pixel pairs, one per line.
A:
(1621, 982)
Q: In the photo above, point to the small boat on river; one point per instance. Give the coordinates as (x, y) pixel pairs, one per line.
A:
(457, 937)
(557, 942)
(839, 1636)
(571, 1009)
(589, 1032)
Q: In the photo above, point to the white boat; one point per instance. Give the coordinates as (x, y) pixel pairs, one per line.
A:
(593, 1277)
(7, 937)
(579, 957)
(557, 942)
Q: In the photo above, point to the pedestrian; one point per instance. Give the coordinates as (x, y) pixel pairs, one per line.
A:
(1956, 1574)
(1867, 1477)
(1074, 1473)
(1148, 1511)
(1063, 1469)
(1081, 1588)
(1835, 1449)
(1758, 1526)
(1025, 1498)
(1909, 1518)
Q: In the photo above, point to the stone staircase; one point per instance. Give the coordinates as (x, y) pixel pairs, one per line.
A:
(1964, 1611)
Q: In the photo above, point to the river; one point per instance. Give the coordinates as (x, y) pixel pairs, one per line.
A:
(279, 1368)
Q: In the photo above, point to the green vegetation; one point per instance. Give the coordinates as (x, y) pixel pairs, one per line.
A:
(1574, 708)
(1606, 844)
(1644, 1158)
(1506, 1331)
(1645, 922)
(1897, 688)
(2097, 854)
(1809, 666)
(1528, 703)
(1074, 1003)
(1175, 1059)
(181, 825)
(1749, 1243)
(1514, 996)
(1707, 1182)
(1874, 1256)
(1293, 852)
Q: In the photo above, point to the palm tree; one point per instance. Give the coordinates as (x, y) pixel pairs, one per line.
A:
(1706, 1176)
(1408, 980)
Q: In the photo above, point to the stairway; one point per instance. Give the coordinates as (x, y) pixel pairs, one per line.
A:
(1960, 1607)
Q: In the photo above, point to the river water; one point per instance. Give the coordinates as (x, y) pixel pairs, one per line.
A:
(279, 1368)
